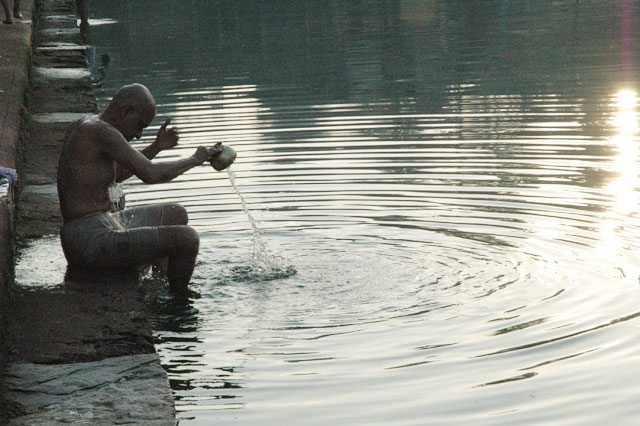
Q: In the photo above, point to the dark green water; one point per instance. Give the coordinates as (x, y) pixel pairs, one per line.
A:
(455, 183)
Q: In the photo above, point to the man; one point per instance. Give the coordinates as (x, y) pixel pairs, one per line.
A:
(96, 233)
(83, 11)
(7, 11)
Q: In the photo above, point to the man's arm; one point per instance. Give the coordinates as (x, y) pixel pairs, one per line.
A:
(165, 139)
(115, 146)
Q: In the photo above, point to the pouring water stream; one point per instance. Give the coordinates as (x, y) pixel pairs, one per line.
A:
(263, 266)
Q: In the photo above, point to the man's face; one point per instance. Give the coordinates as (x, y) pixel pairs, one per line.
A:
(135, 122)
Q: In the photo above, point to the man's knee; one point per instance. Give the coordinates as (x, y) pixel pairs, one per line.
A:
(191, 238)
(175, 214)
(180, 239)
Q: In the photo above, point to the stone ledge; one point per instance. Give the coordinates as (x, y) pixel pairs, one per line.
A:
(14, 66)
(123, 390)
(63, 315)
(74, 328)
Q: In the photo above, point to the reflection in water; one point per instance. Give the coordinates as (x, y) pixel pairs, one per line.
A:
(624, 163)
(623, 187)
(455, 183)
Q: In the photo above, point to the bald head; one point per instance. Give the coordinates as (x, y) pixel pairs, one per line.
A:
(134, 96)
(131, 110)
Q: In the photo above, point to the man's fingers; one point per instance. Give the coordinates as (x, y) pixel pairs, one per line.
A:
(166, 123)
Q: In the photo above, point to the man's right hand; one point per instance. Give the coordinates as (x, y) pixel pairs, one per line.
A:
(204, 153)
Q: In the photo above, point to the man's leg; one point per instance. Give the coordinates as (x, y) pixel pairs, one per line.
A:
(83, 11)
(155, 215)
(121, 250)
(7, 11)
(180, 243)
(16, 9)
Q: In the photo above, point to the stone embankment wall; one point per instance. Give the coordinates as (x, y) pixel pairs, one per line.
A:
(14, 69)
(80, 347)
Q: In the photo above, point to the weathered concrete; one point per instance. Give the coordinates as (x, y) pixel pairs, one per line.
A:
(80, 317)
(115, 391)
(60, 92)
(6, 260)
(79, 344)
(14, 67)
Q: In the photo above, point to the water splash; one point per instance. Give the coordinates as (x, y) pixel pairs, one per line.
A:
(263, 266)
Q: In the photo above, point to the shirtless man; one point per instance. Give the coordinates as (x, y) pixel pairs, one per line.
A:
(96, 233)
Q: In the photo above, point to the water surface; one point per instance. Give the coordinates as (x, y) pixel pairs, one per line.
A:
(454, 183)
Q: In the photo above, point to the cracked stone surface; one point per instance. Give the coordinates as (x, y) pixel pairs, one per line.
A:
(122, 390)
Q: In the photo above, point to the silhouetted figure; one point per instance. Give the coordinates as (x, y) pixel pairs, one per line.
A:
(83, 11)
(102, 70)
(7, 10)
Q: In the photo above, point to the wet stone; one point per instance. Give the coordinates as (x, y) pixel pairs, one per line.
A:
(80, 346)
(62, 73)
(41, 215)
(58, 117)
(76, 99)
(59, 21)
(57, 7)
(63, 57)
(58, 45)
(123, 390)
(55, 33)
(55, 47)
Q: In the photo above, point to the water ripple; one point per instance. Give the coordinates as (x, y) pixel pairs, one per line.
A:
(445, 195)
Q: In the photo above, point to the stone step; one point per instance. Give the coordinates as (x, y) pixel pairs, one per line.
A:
(123, 390)
(56, 7)
(58, 21)
(60, 35)
(80, 343)
(72, 99)
(61, 56)
(63, 315)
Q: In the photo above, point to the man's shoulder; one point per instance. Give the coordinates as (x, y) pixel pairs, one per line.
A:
(90, 121)
(94, 127)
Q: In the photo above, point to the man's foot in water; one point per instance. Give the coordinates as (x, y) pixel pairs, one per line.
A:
(184, 293)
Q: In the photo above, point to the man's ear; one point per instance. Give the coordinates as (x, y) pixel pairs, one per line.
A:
(127, 110)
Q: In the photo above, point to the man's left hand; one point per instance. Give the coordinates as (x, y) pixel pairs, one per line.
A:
(167, 138)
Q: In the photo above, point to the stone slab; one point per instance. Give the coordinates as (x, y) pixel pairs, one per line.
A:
(62, 315)
(56, 7)
(65, 118)
(72, 99)
(79, 343)
(61, 73)
(123, 390)
(50, 57)
(14, 65)
(40, 212)
(59, 21)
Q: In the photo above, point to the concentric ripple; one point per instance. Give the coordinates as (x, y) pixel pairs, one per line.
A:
(432, 218)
